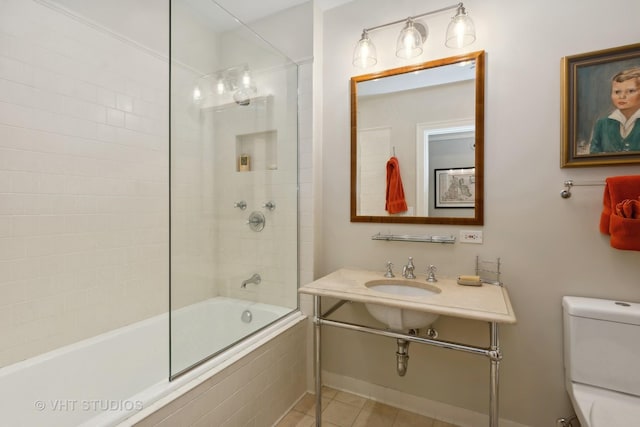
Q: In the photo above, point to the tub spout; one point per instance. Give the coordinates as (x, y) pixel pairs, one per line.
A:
(253, 279)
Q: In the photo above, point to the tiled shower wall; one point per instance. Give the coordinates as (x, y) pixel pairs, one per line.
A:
(83, 180)
(268, 127)
(213, 248)
(193, 237)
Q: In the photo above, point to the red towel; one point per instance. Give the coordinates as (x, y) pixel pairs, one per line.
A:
(395, 201)
(617, 189)
(621, 212)
(628, 209)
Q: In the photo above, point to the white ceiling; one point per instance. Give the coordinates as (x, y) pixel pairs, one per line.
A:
(245, 10)
(127, 16)
(249, 11)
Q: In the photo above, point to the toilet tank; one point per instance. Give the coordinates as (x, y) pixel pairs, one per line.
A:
(602, 343)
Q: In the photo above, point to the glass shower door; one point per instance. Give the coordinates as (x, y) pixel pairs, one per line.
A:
(234, 223)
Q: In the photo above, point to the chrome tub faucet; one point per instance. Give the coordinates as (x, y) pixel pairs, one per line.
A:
(253, 279)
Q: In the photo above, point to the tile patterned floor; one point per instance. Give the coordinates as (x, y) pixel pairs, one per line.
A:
(341, 409)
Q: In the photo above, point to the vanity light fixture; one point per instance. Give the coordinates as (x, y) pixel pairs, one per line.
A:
(460, 33)
(197, 94)
(234, 83)
(220, 86)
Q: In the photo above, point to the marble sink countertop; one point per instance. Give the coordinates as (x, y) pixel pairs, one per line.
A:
(487, 302)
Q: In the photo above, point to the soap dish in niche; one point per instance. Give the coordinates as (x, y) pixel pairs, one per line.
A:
(469, 281)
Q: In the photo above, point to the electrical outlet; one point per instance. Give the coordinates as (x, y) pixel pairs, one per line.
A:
(471, 236)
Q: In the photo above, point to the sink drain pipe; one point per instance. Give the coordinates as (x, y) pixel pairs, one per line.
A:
(402, 356)
(402, 353)
(566, 422)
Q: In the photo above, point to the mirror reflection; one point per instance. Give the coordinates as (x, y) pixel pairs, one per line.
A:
(417, 143)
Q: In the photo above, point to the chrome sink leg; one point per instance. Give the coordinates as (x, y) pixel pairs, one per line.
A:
(495, 356)
(316, 349)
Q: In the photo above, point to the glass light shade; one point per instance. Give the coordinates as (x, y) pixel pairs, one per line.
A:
(409, 43)
(220, 86)
(461, 32)
(364, 54)
(197, 94)
(246, 79)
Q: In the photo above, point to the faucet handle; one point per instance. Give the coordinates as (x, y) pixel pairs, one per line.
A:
(431, 273)
(389, 272)
(269, 205)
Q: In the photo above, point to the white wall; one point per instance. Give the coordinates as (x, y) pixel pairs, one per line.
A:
(549, 246)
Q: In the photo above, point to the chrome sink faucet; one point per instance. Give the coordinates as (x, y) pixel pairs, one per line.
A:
(407, 270)
(253, 279)
(389, 272)
(431, 274)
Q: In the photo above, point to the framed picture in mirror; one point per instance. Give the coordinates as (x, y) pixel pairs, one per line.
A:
(455, 187)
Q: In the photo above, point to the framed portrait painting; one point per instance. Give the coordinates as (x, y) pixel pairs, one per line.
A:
(601, 107)
(455, 188)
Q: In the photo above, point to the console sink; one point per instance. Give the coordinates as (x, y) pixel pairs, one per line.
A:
(485, 303)
(401, 318)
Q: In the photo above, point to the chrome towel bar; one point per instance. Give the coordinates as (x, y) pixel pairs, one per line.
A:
(566, 193)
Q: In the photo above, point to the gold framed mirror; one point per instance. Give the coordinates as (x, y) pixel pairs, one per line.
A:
(425, 121)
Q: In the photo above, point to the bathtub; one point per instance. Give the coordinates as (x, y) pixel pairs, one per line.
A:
(106, 379)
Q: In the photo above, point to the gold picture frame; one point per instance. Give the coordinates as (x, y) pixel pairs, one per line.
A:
(589, 112)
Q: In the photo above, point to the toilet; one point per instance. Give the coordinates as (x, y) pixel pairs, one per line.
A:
(602, 360)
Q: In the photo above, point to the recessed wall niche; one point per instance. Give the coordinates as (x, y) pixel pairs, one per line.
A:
(258, 149)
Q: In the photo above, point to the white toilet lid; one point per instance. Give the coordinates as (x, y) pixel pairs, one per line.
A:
(615, 413)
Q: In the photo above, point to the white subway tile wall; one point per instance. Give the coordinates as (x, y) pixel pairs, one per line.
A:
(83, 181)
(192, 199)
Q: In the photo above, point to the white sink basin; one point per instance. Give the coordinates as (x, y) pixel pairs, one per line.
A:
(399, 318)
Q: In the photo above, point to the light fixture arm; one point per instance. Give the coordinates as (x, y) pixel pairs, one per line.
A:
(412, 18)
